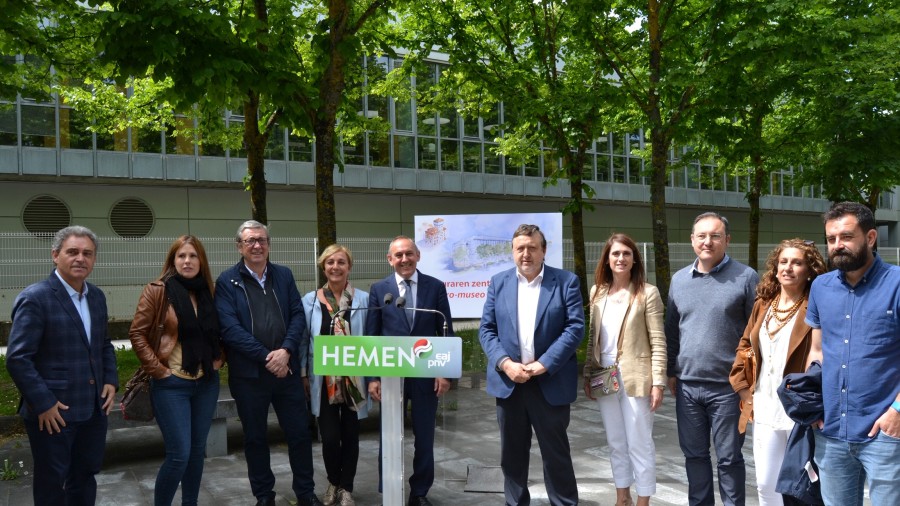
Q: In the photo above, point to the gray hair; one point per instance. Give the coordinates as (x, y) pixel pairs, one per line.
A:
(711, 214)
(252, 224)
(77, 231)
(531, 231)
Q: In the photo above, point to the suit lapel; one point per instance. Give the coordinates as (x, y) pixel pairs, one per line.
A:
(66, 302)
(548, 286)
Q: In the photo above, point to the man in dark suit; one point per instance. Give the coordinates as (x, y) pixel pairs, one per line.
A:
(533, 322)
(264, 330)
(63, 363)
(419, 291)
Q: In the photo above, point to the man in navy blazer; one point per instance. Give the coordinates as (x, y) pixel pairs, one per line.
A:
(419, 291)
(533, 322)
(63, 363)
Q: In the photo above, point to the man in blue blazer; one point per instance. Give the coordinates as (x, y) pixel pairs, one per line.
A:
(533, 322)
(419, 291)
(63, 363)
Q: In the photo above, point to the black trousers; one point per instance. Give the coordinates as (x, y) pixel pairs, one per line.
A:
(526, 409)
(339, 427)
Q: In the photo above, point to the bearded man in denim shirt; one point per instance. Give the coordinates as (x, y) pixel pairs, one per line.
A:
(854, 313)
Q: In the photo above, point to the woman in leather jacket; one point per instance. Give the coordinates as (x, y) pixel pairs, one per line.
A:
(175, 334)
(776, 342)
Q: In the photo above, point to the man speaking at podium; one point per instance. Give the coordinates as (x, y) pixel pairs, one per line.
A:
(419, 292)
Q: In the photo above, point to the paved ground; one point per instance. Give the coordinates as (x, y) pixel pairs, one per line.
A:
(467, 438)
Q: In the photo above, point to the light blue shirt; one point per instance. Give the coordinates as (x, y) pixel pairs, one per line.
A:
(81, 304)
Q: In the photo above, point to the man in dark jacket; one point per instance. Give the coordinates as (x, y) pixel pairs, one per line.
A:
(62, 361)
(264, 331)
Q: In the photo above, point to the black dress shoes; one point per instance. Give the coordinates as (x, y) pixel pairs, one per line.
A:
(266, 501)
(311, 500)
(419, 500)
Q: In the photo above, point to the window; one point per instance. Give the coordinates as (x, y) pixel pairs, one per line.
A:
(74, 130)
(38, 126)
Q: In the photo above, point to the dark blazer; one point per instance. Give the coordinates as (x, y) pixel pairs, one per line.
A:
(391, 321)
(746, 366)
(558, 331)
(246, 353)
(49, 357)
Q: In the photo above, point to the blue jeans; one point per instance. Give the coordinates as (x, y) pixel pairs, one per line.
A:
(701, 407)
(844, 468)
(184, 409)
(253, 397)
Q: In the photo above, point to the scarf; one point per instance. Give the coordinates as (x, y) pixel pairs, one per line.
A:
(198, 332)
(341, 389)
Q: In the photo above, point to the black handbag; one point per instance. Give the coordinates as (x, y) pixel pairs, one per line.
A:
(136, 404)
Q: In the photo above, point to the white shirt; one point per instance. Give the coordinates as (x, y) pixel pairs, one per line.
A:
(767, 407)
(528, 294)
(81, 304)
(259, 279)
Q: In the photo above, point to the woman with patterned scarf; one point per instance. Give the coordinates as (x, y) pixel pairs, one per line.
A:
(175, 334)
(339, 402)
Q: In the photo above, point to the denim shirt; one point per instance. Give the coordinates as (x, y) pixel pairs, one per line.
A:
(860, 346)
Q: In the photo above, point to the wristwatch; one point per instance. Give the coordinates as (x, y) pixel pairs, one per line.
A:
(896, 405)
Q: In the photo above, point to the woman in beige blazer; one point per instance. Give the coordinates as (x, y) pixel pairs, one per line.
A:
(627, 328)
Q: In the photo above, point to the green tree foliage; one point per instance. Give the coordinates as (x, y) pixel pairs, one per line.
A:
(852, 112)
(527, 56)
(273, 61)
(659, 52)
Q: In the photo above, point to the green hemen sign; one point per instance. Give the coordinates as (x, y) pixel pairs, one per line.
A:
(393, 356)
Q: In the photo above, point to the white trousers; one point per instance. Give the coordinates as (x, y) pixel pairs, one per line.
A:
(769, 445)
(629, 433)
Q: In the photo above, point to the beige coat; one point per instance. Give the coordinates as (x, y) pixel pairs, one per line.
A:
(643, 360)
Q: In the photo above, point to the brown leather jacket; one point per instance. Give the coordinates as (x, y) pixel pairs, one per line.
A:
(146, 319)
(144, 327)
(743, 376)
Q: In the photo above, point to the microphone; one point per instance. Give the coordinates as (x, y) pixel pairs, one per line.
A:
(388, 298)
(401, 304)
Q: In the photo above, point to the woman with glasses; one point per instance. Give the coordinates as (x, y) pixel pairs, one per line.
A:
(175, 334)
(339, 402)
(776, 342)
(626, 365)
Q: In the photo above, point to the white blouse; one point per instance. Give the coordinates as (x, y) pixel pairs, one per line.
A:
(767, 408)
(610, 326)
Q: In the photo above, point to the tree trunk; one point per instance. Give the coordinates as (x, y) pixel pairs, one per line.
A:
(255, 144)
(331, 91)
(659, 144)
(756, 188)
(577, 211)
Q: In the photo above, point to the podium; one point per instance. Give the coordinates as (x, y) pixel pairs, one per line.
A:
(391, 358)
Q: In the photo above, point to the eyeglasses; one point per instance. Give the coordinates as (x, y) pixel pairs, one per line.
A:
(253, 241)
(711, 237)
(809, 243)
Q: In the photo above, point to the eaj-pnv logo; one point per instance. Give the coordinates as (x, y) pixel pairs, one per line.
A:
(422, 348)
(405, 356)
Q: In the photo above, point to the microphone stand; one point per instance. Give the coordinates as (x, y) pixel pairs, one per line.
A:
(401, 303)
(388, 298)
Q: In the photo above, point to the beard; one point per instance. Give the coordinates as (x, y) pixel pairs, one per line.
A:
(847, 260)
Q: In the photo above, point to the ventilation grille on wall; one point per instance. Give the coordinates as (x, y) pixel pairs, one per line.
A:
(131, 217)
(45, 214)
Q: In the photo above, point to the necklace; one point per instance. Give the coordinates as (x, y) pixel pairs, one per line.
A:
(789, 314)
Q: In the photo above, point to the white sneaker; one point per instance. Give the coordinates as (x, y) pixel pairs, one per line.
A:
(330, 496)
(345, 498)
